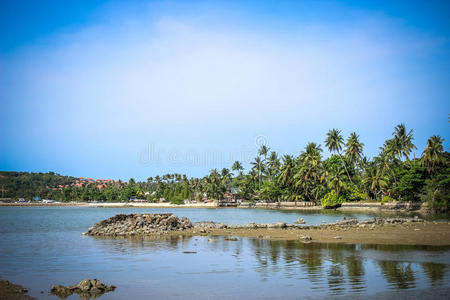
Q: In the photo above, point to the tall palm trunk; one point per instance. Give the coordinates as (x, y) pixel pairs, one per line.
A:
(345, 167)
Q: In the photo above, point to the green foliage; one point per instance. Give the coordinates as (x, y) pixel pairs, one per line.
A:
(332, 199)
(387, 199)
(355, 194)
(270, 191)
(411, 180)
(437, 191)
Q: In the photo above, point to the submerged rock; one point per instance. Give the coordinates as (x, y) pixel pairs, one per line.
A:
(305, 237)
(86, 289)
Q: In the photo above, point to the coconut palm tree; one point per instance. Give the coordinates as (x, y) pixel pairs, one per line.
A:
(353, 148)
(433, 155)
(309, 172)
(237, 166)
(374, 180)
(335, 180)
(334, 142)
(258, 164)
(226, 177)
(287, 171)
(263, 151)
(273, 164)
(213, 185)
(403, 141)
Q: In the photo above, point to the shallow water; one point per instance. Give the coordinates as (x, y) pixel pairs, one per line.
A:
(41, 246)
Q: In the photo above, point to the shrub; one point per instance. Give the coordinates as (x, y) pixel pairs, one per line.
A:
(387, 199)
(354, 194)
(332, 199)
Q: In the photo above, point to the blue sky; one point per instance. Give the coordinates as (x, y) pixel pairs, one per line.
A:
(120, 89)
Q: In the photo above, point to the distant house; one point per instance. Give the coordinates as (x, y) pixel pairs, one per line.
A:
(233, 195)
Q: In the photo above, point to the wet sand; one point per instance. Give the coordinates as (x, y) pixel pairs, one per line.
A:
(426, 233)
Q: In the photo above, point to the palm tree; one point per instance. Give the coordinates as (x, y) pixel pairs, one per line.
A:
(287, 171)
(309, 172)
(353, 148)
(433, 155)
(226, 177)
(335, 180)
(213, 185)
(403, 141)
(311, 156)
(273, 164)
(263, 151)
(259, 165)
(334, 142)
(237, 166)
(374, 180)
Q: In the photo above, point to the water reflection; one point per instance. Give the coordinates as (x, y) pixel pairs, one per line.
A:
(435, 272)
(355, 271)
(398, 273)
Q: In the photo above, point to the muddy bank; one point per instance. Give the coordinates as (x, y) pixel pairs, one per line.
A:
(394, 231)
(12, 291)
(428, 233)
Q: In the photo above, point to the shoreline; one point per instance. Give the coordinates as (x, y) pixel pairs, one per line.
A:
(401, 207)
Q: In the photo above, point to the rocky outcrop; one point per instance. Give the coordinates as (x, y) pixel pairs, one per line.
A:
(158, 224)
(139, 224)
(376, 221)
(86, 289)
(13, 291)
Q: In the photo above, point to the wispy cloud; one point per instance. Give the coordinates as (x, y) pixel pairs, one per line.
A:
(152, 75)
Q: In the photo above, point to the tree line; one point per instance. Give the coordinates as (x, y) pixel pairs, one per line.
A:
(347, 175)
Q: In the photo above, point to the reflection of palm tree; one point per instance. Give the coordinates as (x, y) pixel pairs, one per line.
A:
(398, 273)
(336, 279)
(311, 259)
(434, 271)
(355, 271)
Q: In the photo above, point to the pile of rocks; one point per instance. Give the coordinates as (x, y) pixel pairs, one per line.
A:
(139, 224)
(251, 225)
(86, 289)
(376, 221)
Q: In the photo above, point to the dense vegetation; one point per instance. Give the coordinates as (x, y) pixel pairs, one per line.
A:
(345, 176)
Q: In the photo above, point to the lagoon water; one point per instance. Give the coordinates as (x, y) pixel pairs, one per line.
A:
(42, 246)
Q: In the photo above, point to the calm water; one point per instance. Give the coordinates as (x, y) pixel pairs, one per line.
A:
(42, 246)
